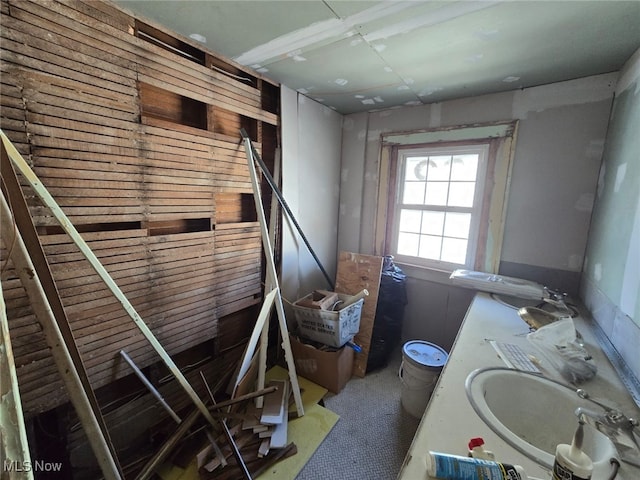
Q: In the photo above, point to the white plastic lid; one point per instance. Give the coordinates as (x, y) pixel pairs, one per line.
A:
(425, 354)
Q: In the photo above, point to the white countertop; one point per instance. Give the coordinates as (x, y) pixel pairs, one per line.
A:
(450, 421)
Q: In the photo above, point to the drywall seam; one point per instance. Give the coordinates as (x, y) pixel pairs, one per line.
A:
(630, 74)
(363, 226)
(435, 115)
(441, 15)
(561, 94)
(289, 179)
(317, 33)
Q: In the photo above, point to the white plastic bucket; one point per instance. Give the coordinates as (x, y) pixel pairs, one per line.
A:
(421, 365)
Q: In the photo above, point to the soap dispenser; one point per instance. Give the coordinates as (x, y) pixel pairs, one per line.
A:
(571, 463)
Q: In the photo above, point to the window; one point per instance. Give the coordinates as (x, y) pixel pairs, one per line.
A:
(438, 206)
(442, 196)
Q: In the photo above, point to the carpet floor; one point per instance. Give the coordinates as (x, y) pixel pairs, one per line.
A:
(373, 433)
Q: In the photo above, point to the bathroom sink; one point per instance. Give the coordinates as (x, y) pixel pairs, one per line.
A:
(534, 414)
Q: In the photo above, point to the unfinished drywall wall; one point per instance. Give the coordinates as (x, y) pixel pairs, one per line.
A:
(611, 275)
(558, 150)
(311, 146)
(560, 137)
(352, 178)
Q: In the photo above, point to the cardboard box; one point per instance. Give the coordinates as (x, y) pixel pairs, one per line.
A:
(331, 369)
(333, 328)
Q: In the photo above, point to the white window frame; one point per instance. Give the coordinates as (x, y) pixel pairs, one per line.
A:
(482, 150)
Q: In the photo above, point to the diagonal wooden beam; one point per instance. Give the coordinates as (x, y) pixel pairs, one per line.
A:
(272, 275)
(14, 446)
(79, 396)
(68, 227)
(264, 337)
(93, 419)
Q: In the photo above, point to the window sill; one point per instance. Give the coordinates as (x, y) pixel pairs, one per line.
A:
(425, 273)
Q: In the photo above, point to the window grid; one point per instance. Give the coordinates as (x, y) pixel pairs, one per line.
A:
(451, 240)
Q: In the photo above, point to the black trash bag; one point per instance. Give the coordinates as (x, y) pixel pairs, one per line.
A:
(387, 325)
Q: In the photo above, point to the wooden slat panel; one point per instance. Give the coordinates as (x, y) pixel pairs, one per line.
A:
(64, 36)
(70, 102)
(15, 50)
(50, 95)
(12, 108)
(176, 85)
(168, 71)
(103, 12)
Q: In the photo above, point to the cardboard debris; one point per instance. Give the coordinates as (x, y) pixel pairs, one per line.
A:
(331, 369)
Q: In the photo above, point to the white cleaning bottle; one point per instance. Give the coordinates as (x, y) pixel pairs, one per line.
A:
(571, 462)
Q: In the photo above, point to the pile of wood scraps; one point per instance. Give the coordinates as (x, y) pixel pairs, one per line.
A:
(257, 434)
(205, 453)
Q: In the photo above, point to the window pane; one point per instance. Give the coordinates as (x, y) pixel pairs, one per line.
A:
(432, 223)
(413, 193)
(410, 221)
(461, 194)
(464, 167)
(436, 211)
(439, 167)
(457, 225)
(416, 168)
(408, 244)
(454, 250)
(430, 247)
(436, 193)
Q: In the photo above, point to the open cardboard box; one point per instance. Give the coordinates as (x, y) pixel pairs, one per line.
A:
(329, 369)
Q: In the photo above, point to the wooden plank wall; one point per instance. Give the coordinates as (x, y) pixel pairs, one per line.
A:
(141, 148)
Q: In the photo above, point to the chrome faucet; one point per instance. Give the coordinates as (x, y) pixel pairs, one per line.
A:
(620, 429)
(554, 296)
(558, 300)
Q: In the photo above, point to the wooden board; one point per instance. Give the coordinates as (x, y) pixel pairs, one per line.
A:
(273, 411)
(355, 273)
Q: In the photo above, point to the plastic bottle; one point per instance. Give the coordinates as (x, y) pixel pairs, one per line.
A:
(571, 463)
(455, 467)
(477, 450)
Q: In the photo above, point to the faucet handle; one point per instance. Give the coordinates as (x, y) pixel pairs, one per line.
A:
(554, 295)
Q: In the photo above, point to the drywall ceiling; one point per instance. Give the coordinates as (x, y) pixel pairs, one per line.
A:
(364, 55)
